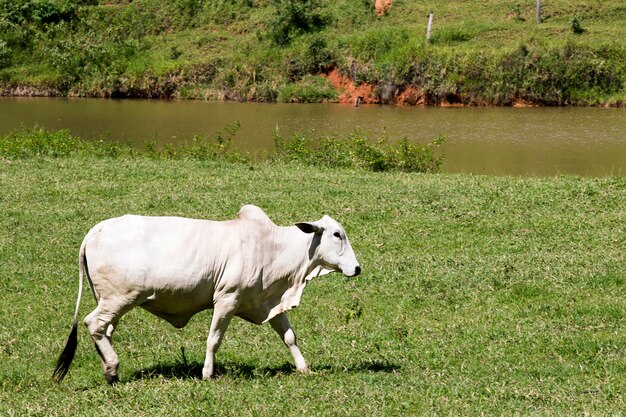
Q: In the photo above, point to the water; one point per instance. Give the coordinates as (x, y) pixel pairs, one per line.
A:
(494, 141)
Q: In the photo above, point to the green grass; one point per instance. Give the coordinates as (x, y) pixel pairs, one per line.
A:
(479, 295)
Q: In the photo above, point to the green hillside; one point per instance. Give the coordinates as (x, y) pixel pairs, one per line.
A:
(481, 52)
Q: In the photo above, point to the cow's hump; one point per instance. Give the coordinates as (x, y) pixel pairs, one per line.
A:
(253, 213)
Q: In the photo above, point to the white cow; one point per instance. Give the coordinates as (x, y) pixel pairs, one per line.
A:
(176, 267)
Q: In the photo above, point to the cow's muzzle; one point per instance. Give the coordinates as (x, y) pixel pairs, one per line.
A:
(357, 271)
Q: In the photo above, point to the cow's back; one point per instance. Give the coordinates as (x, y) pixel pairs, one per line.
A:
(171, 262)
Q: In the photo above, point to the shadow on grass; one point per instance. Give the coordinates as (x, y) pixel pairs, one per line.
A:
(241, 370)
(194, 370)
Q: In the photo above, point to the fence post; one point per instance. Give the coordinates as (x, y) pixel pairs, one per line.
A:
(430, 25)
(538, 11)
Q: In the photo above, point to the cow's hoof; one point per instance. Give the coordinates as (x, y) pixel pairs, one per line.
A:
(207, 374)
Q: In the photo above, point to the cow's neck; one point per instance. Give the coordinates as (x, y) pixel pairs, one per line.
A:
(293, 253)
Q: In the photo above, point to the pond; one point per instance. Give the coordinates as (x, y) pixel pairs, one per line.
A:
(493, 141)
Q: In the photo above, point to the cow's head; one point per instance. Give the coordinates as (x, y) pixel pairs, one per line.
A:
(332, 247)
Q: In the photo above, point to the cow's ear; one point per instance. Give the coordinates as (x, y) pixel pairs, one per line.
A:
(309, 227)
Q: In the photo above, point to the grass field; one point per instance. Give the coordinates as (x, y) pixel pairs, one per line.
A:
(479, 295)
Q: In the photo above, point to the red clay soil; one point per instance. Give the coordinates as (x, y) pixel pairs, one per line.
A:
(412, 96)
(350, 92)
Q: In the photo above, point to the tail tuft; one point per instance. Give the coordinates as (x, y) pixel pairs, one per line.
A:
(65, 360)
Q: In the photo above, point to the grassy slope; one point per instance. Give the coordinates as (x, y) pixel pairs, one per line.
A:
(479, 295)
(224, 49)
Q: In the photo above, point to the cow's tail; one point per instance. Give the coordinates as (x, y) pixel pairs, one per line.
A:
(65, 360)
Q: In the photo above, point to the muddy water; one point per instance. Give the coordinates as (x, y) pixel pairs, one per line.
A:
(496, 141)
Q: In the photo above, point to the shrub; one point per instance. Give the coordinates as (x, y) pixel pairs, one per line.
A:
(420, 158)
(36, 142)
(296, 17)
(310, 54)
(203, 148)
(576, 26)
(39, 12)
(39, 142)
(357, 151)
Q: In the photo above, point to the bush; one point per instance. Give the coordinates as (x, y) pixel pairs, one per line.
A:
(37, 142)
(207, 149)
(576, 26)
(310, 54)
(39, 12)
(296, 17)
(357, 151)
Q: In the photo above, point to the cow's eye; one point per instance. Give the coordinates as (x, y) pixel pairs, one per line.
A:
(336, 234)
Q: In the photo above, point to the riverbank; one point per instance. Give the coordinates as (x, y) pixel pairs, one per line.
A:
(353, 151)
(317, 51)
(479, 295)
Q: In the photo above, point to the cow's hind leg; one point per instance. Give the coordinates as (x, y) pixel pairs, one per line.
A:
(101, 323)
(280, 324)
(222, 315)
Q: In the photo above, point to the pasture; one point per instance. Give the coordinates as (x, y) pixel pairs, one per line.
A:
(479, 295)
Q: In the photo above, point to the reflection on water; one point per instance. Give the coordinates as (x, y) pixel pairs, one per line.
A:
(500, 141)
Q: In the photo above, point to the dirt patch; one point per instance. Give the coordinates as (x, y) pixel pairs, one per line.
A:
(371, 94)
(522, 103)
(411, 96)
(349, 92)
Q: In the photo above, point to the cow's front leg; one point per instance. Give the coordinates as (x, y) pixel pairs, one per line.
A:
(222, 315)
(280, 324)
